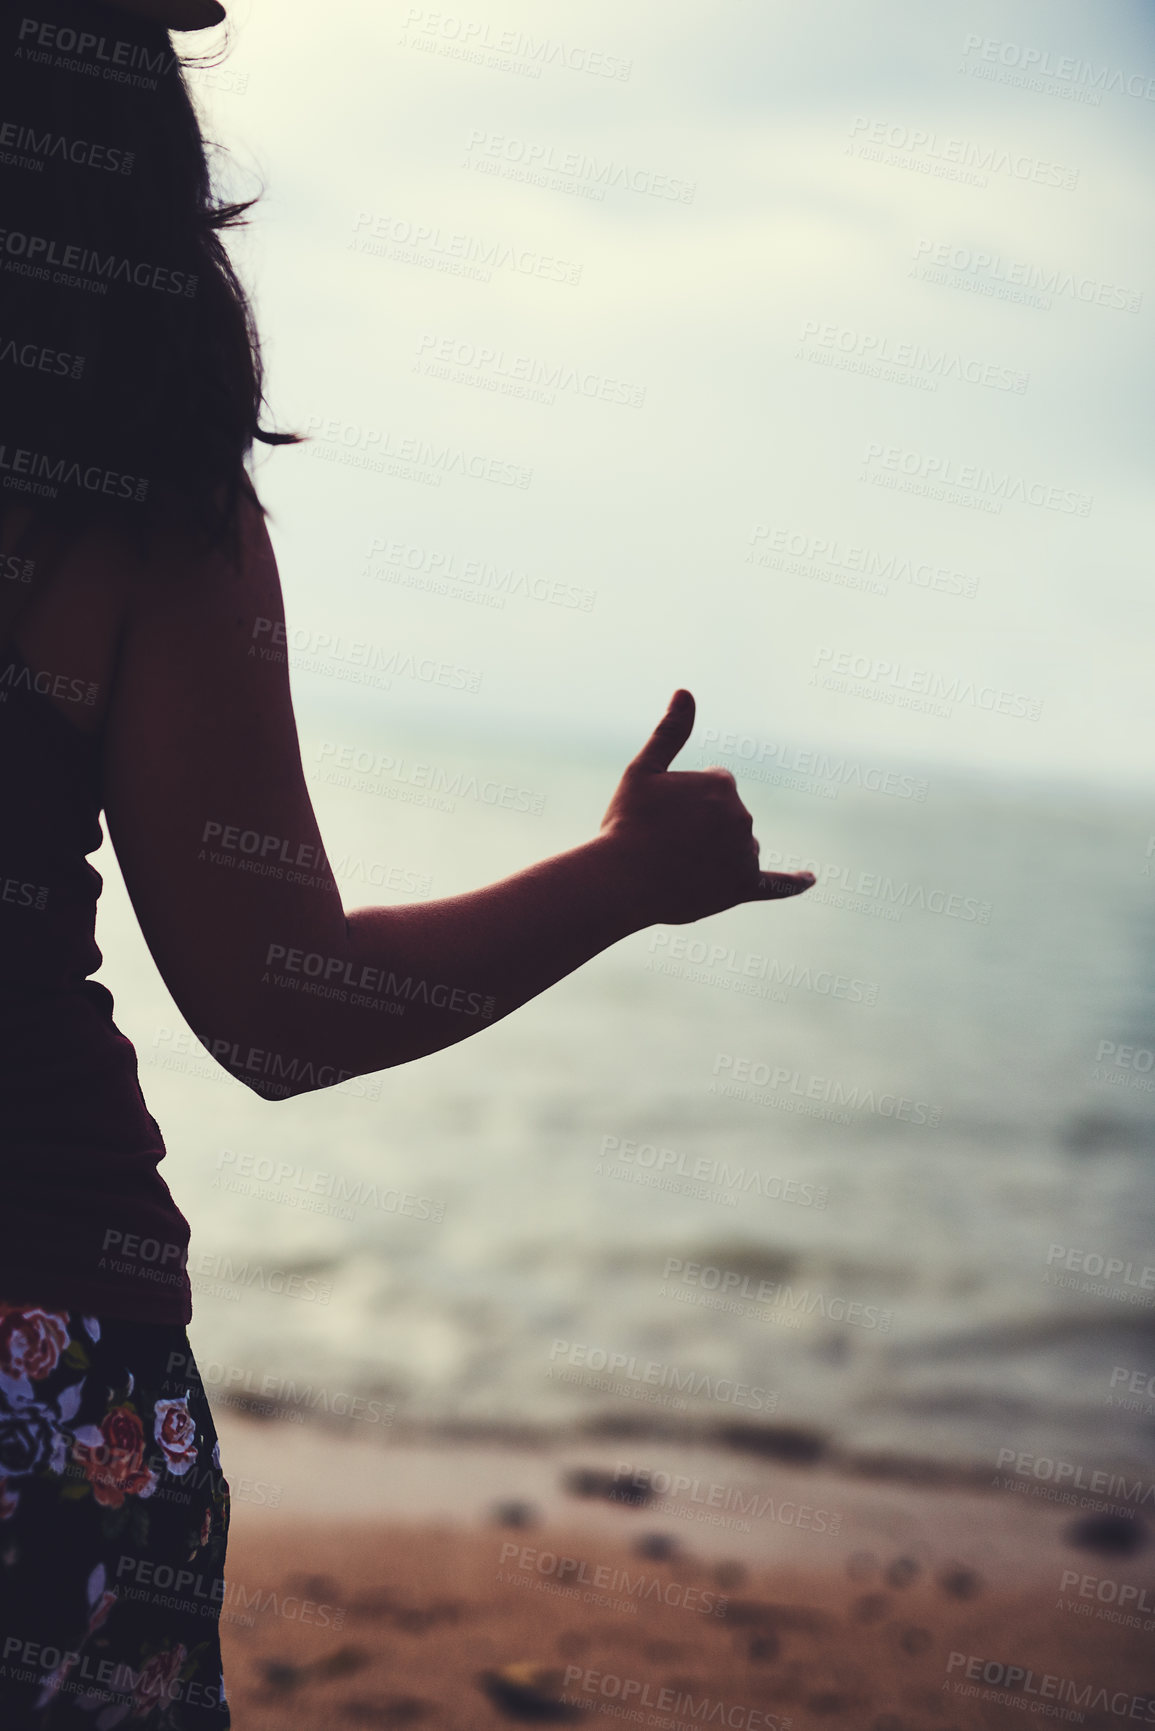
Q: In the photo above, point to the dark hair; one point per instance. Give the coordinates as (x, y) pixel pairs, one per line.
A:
(130, 368)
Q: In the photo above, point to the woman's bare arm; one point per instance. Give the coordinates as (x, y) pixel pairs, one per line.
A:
(272, 975)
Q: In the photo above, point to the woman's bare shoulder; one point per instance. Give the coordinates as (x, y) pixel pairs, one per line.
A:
(80, 595)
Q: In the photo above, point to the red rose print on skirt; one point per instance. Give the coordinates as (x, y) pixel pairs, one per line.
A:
(175, 1430)
(31, 1341)
(113, 1458)
(158, 1681)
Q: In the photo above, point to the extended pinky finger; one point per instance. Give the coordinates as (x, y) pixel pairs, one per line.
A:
(775, 885)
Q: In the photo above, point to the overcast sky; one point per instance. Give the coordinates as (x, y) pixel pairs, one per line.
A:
(788, 197)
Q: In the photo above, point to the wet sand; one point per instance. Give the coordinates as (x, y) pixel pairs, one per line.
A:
(453, 1585)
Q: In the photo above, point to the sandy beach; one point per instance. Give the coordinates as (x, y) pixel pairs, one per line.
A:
(392, 1581)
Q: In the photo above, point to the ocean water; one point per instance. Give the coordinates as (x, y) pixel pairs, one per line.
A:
(872, 1167)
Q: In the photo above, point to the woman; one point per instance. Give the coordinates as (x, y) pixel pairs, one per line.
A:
(134, 562)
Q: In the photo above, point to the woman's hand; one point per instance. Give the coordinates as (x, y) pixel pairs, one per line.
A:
(685, 833)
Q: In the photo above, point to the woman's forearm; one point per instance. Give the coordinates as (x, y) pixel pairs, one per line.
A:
(502, 944)
(411, 980)
(385, 986)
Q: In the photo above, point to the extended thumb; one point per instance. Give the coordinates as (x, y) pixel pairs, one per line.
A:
(668, 737)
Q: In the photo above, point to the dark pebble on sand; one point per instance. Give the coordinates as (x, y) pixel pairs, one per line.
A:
(612, 1487)
(757, 1614)
(901, 1572)
(341, 1663)
(961, 1583)
(763, 1649)
(915, 1642)
(1110, 1535)
(658, 1547)
(528, 1692)
(281, 1676)
(515, 1514)
(774, 1442)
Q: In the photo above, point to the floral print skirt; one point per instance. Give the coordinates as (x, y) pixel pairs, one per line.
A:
(113, 1522)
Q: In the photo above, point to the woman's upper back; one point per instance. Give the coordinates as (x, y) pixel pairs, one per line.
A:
(79, 1150)
(62, 613)
(126, 688)
(149, 660)
(58, 634)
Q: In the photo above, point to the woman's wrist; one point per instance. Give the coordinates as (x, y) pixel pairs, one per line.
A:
(625, 876)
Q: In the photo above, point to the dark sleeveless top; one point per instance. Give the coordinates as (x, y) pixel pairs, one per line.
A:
(86, 1220)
